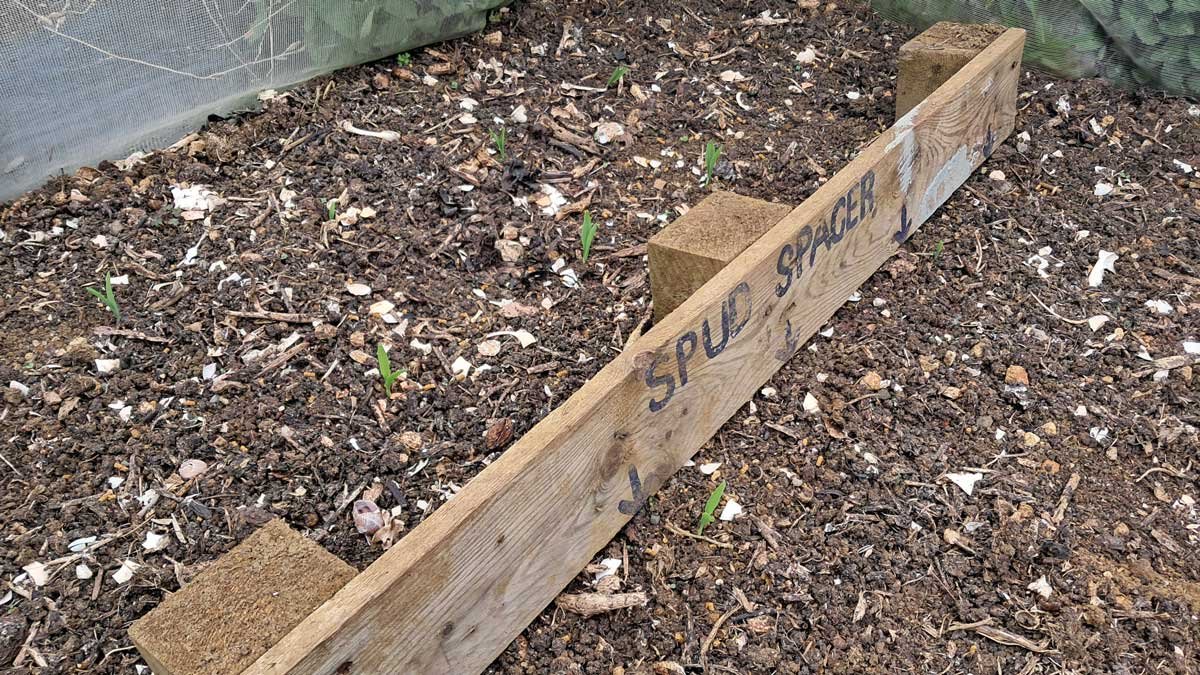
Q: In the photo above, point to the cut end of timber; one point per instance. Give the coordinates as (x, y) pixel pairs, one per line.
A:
(693, 248)
(240, 606)
(933, 57)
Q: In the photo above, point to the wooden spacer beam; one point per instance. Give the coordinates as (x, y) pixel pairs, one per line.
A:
(239, 606)
(931, 58)
(457, 589)
(693, 248)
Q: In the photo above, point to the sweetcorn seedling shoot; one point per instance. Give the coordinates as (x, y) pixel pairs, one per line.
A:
(617, 74)
(107, 297)
(587, 233)
(331, 207)
(712, 155)
(500, 140)
(385, 370)
(710, 507)
(404, 60)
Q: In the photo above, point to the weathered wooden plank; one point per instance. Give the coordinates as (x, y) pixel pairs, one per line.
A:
(456, 590)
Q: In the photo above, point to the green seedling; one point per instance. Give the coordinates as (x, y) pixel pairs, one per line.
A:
(331, 209)
(712, 154)
(617, 74)
(500, 140)
(385, 370)
(404, 60)
(937, 250)
(587, 233)
(107, 297)
(710, 507)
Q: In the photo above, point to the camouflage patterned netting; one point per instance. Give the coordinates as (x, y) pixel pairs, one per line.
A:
(1129, 42)
(86, 80)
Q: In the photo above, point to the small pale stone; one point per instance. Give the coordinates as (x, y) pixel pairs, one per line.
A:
(608, 131)
(380, 308)
(872, 381)
(190, 468)
(952, 393)
(488, 348)
(510, 251)
(1031, 439)
(1016, 375)
(811, 405)
(1050, 429)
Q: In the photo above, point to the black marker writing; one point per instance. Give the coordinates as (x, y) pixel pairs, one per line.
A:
(851, 209)
(631, 506)
(905, 226)
(736, 311)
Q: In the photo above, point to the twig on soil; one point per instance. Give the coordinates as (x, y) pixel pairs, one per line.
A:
(715, 57)
(159, 305)
(1168, 469)
(978, 254)
(1177, 278)
(1001, 636)
(1065, 499)
(385, 135)
(282, 358)
(591, 604)
(285, 317)
(693, 535)
(560, 133)
(15, 470)
(94, 546)
(332, 515)
(712, 635)
(125, 332)
(1170, 363)
(562, 41)
(769, 533)
(783, 430)
(1073, 322)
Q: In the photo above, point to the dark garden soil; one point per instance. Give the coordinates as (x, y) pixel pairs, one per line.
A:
(991, 484)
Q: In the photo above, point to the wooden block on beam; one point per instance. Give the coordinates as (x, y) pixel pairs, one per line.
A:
(241, 605)
(457, 589)
(931, 58)
(693, 248)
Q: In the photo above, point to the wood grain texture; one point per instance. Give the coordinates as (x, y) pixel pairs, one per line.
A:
(684, 255)
(239, 606)
(454, 592)
(928, 60)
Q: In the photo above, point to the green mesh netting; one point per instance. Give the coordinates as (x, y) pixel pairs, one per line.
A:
(85, 80)
(1129, 42)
